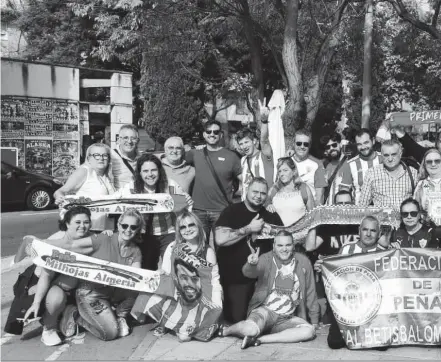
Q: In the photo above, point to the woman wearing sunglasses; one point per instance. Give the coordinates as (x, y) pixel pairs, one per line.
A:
(95, 301)
(53, 288)
(289, 196)
(189, 232)
(429, 187)
(92, 178)
(150, 178)
(412, 232)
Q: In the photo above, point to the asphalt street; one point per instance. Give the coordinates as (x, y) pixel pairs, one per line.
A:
(16, 224)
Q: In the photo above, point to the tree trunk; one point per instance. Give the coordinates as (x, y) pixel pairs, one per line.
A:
(367, 67)
(294, 111)
(323, 60)
(255, 44)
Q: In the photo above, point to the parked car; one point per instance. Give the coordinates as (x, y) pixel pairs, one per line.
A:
(35, 190)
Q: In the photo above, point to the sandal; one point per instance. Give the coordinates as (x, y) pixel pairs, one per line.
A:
(221, 330)
(250, 342)
(159, 331)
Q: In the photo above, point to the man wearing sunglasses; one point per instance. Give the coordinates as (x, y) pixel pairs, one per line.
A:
(336, 169)
(216, 168)
(124, 156)
(308, 165)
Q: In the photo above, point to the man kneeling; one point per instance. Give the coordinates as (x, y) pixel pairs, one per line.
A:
(285, 292)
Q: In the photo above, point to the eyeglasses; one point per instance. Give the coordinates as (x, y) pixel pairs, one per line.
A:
(175, 149)
(98, 156)
(306, 144)
(332, 145)
(434, 162)
(405, 214)
(213, 131)
(132, 227)
(130, 139)
(183, 227)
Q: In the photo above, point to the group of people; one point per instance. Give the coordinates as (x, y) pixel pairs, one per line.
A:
(267, 287)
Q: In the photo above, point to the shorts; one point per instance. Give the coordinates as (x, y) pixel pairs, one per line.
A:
(270, 322)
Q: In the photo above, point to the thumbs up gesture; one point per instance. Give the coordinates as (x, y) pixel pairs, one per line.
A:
(253, 258)
(256, 225)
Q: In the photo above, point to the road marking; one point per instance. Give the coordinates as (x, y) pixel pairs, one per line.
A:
(6, 338)
(54, 356)
(40, 213)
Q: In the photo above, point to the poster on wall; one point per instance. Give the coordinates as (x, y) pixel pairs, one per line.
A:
(36, 128)
(19, 144)
(66, 121)
(38, 156)
(65, 158)
(13, 108)
(38, 121)
(12, 129)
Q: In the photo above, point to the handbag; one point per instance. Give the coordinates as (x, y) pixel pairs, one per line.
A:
(216, 177)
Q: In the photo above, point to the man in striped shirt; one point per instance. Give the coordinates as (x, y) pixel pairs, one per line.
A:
(388, 184)
(359, 165)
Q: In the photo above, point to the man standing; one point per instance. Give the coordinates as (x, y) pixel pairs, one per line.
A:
(285, 292)
(336, 169)
(175, 165)
(368, 242)
(124, 156)
(237, 226)
(366, 159)
(216, 168)
(256, 163)
(388, 184)
(308, 165)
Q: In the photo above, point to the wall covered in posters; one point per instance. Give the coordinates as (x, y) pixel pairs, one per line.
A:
(45, 131)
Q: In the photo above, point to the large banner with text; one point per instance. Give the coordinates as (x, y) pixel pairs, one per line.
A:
(387, 298)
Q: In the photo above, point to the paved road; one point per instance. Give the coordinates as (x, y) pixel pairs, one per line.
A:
(15, 225)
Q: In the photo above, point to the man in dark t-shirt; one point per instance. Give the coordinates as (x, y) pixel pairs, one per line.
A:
(209, 197)
(236, 227)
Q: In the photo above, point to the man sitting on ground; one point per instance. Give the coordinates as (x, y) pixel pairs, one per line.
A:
(285, 290)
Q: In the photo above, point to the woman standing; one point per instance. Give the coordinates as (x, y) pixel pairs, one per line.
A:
(289, 197)
(92, 178)
(53, 287)
(412, 232)
(428, 189)
(150, 178)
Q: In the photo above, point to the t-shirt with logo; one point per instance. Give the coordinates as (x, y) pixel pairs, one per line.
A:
(426, 237)
(206, 192)
(307, 173)
(335, 237)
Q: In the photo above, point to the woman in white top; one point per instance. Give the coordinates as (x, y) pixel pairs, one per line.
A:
(92, 178)
(150, 178)
(428, 189)
(289, 196)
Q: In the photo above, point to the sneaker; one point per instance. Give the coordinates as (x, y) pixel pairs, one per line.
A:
(50, 337)
(123, 328)
(250, 342)
(68, 325)
(159, 331)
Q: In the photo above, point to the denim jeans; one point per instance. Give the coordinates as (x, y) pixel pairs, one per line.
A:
(95, 308)
(208, 219)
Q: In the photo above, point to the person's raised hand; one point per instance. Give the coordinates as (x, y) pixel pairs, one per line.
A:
(256, 225)
(289, 153)
(263, 110)
(271, 208)
(253, 258)
(318, 265)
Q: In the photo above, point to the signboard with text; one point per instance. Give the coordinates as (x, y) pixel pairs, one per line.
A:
(388, 298)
